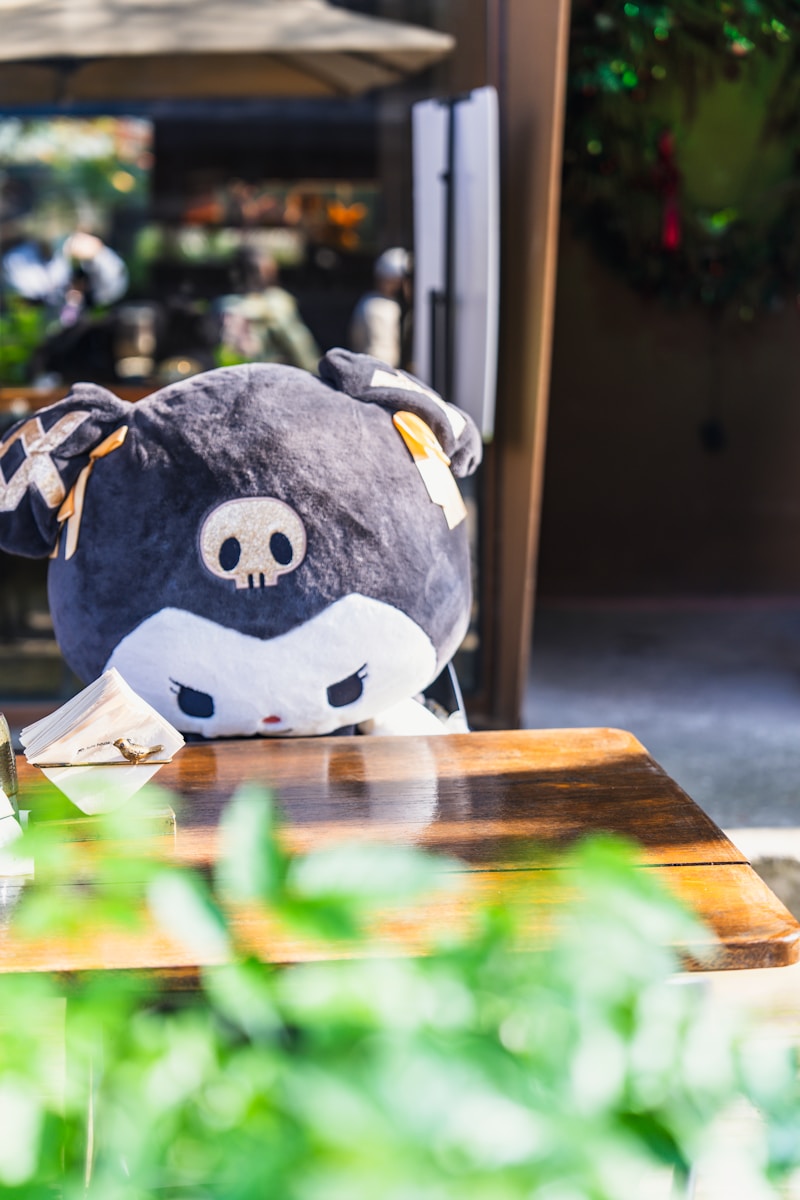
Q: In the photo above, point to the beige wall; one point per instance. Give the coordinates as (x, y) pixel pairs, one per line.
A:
(633, 504)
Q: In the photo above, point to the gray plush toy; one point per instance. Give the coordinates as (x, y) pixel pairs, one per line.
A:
(256, 550)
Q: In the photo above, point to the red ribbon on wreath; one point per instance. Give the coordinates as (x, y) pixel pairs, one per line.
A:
(668, 181)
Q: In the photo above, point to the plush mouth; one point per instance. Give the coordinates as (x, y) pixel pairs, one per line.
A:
(273, 724)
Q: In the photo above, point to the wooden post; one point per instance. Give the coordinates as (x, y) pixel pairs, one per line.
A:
(521, 48)
(532, 41)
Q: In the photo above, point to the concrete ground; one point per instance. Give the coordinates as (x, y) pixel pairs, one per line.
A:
(711, 689)
(713, 692)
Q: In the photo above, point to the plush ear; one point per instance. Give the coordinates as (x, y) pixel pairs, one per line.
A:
(369, 379)
(41, 458)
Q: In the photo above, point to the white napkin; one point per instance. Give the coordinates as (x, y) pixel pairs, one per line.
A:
(82, 734)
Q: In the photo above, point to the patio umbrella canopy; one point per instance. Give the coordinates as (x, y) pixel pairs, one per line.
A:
(88, 51)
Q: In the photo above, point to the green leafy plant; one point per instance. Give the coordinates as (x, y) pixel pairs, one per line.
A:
(681, 149)
(479, 1069)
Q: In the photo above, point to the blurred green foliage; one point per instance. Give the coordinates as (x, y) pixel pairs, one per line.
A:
(479, 1070)
(22, 328)
(681, 149)
(59, 172)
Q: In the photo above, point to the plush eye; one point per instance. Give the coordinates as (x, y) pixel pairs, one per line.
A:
(191, 702)
(348, 690)
(229, 554)
(281, 549)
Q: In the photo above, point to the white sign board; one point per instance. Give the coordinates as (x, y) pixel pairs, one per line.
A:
(457, 248)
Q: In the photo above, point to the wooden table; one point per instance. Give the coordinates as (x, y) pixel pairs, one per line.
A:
(501, 803)
(21, 400)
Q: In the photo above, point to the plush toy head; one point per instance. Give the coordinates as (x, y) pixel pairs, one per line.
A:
(256, 550)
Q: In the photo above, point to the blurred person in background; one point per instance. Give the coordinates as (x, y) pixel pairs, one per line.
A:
(260, 320)
(72, 285)
(83, 272)
(380, 324)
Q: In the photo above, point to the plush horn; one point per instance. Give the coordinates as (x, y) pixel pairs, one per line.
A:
(368, 379)
(41, 459)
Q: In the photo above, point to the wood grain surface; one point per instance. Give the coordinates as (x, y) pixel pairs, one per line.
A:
(501, 803)
(23, 400)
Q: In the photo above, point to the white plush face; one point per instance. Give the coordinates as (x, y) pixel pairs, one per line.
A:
(350, 662)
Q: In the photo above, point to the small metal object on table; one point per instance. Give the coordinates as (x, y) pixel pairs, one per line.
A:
(8, 765)
(499, 802)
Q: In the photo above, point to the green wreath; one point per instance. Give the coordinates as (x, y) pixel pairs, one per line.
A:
(682, 148)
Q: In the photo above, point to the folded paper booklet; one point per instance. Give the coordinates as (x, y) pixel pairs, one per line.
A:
(102, 746)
